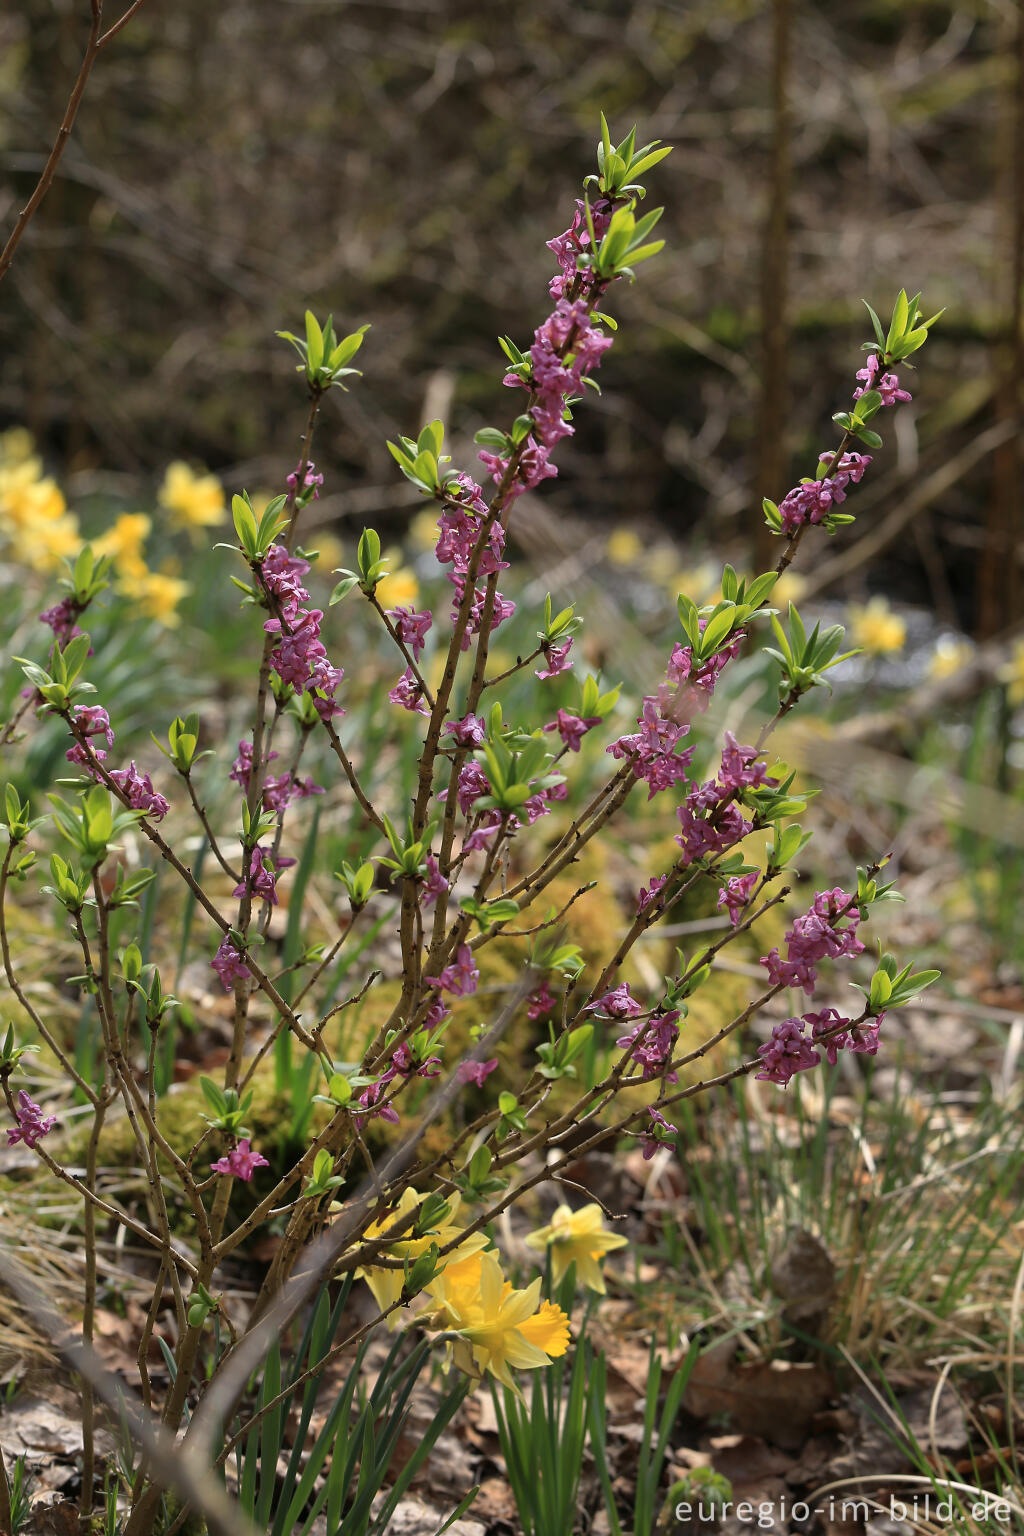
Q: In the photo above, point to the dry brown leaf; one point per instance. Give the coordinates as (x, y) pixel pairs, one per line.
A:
(776, 1399)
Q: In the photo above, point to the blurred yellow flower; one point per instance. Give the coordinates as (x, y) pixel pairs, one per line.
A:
(1013, 673)
(16, 445)
(577, 1237)
(702, 583)
(34, 516)
(423, 529)
(875, 628)
(123, 542)
(386, 1284)
(789, 588)
(499, 1327)
(157, 594)
(197, 501)
(331, 552)
(624, 547)
(949, 657)
(398, 589)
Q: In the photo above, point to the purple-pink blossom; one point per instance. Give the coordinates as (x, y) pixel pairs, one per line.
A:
(556, 659)
(411, 627)
(32, 1124)
(540, 1002)
(241, 1162)
(651, 1043)
(470, 731)
(617, 1004)
(888, 386)
(62, 619)
(735, 894)
(572, 728)
(786, 1053)
(369, 1100)
(817, 935)
(229, 965)
(435, 884)
(657, 1133)
(93, 720)
(408, 693)
(476, 1072)
(649, 893)
(459, 978)
(311, 481)
(261, 880)
(138, 790)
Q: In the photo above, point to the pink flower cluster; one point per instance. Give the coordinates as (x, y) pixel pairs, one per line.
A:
(651, 750)
(229, 965)
(666, 715)
(32, 1124)
(812, 500)
(411, 628)
(571, 728)
(62, 619)
(540, 1003)
(241, 1162)
(791, 1050)
(657, 1133)
(649, 893)
(474, 783)
(300, 656)
(818, 935)
(261, 878)
(735, 894)
(575, 242)
(710, 819)
(278, 790)
(888, 385)
(137, 788)
(476, 1072)
(460, 978)
(652, 1042)
(405, 1065)
(459, 528)
(566, 348)
(617, 1004)
(311, 481)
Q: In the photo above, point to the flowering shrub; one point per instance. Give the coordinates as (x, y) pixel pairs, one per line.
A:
(460, 866)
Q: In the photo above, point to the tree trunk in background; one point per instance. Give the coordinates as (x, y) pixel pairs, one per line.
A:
(998, 572)
(771, 453)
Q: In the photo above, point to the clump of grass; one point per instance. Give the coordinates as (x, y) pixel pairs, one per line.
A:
(914, 1200)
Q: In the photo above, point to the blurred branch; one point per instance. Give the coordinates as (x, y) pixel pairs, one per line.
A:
(97, 40)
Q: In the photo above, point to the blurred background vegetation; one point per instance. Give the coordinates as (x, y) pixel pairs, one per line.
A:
(403, 162)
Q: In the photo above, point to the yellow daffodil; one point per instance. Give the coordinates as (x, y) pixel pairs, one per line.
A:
(196, 501)
(875, 628)
(398, 589)
(386, 1284)
(158, 594)
(1012, 673)
(577, 1237)
(624, 547)
(498, 1327)
(123, 542)
(949, 657)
